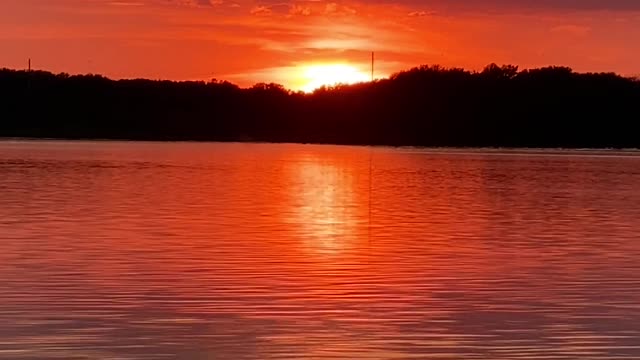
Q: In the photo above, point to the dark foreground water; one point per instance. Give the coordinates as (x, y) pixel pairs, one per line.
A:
(236, 251)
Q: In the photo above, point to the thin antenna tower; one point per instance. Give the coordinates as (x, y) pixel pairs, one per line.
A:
(373, 58)
(29, 76)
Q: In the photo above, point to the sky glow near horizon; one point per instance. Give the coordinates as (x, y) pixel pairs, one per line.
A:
(304, 44)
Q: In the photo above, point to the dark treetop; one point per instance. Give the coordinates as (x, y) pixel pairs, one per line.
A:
(425, 106)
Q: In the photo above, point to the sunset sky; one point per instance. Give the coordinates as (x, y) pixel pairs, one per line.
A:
(249, 41)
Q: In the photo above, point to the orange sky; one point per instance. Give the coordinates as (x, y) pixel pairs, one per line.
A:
(248, 41)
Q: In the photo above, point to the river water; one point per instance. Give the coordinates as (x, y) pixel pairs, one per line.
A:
(122, 250)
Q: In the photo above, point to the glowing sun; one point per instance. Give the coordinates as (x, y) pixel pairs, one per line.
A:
(315, 76)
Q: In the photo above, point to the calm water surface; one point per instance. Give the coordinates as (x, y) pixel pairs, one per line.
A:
(114, 250)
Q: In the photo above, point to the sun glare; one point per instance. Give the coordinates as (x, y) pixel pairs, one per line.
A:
(315, 76)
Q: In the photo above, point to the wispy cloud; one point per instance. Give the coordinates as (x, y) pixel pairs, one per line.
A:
(261, 10)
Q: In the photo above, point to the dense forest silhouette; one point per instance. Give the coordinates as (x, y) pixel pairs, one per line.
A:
(425, 106)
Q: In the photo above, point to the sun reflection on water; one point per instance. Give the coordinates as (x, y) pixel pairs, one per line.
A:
(326, 204)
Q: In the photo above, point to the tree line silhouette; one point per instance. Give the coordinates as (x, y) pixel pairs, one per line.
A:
(425, 106)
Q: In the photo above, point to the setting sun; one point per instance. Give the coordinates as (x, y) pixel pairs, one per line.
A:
(315, 76)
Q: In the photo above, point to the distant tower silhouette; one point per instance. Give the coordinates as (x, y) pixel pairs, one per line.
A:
(29, 78)
(372, 63)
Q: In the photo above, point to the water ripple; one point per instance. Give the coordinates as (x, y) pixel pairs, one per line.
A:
(115, 250)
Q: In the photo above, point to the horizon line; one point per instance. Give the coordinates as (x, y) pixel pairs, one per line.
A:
(31, 69)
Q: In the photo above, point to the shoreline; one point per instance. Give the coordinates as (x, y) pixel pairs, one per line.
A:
(403, 148)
